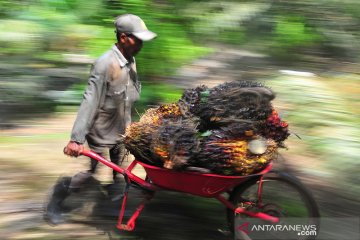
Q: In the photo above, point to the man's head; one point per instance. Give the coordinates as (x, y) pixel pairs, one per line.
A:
(131, 31)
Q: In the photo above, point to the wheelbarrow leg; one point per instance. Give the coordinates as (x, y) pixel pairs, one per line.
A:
(130, 225)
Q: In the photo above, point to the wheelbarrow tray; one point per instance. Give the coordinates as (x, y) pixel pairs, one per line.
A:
(205, 185)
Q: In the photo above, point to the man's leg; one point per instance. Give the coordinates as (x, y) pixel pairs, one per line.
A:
(93, 165)
(93, 162)
(63, 189)
(80, 178)
(116, 154)
(116, 190)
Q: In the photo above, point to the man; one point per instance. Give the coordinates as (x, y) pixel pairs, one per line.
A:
(105, 111)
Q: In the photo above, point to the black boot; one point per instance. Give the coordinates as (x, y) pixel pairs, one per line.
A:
(54, 208)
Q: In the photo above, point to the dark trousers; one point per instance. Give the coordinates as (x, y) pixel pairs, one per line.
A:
(116, 153)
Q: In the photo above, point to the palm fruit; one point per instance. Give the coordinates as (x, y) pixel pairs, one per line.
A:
(137, 141)
(191, 98)
(222, 129)
(174, 143)
(275, 128)
(228, 103)
(225, 155)
(138, 136)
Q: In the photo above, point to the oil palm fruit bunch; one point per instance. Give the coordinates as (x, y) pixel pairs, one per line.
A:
(229, 102)
(175, 143)
(231, 129)
(191, 98)
(234, 155)
(138, 139)
(138, 136)
(274, 128)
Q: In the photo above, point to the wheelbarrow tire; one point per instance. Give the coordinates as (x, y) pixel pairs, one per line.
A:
(241, 194)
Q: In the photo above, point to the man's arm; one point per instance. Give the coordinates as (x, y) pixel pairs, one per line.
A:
(87, 111)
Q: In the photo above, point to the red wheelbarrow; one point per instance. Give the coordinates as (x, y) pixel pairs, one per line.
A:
(255, 196)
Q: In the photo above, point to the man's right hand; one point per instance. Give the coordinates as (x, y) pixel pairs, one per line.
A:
(73, 149)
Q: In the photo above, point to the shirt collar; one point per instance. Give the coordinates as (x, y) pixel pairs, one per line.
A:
(122, 60)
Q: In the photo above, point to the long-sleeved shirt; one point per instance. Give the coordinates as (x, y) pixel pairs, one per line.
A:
(105, 110)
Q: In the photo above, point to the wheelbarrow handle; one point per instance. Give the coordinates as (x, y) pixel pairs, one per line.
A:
(101, 159)
(121, 170)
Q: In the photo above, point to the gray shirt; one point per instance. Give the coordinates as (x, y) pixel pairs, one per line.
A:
(105, 111)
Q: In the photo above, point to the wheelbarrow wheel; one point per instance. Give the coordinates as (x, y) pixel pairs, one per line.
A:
(282, 196)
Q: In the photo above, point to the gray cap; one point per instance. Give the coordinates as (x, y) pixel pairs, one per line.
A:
(129, 23)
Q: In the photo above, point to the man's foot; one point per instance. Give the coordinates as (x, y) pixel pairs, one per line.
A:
(54, 209)
(53, 215)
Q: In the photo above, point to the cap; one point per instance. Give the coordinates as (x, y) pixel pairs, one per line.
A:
(129, 23)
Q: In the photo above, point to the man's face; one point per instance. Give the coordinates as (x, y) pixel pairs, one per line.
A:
(131, 44)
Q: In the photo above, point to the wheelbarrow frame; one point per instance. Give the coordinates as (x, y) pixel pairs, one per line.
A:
(204, 185)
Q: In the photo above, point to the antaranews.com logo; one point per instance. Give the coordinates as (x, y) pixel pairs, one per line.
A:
(298, 229)
(344, 228)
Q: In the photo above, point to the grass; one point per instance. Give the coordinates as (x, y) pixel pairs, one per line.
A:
(31, 138)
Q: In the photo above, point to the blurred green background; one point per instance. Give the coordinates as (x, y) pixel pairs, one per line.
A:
(46, 44)
(306, 51)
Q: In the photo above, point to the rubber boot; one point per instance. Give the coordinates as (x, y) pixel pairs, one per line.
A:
(54, 208)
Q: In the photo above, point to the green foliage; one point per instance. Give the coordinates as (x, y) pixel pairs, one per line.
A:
(162, 56)
(168, 52)
(9, 8)
(233, 37)
(101, 41)
(287, 29)
(222, 21)
(43, 33)
(76, 26)
(159, 93)
(291, 33)
(155, 93)
(19, 37)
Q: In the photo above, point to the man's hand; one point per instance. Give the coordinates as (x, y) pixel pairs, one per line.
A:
(73, 149)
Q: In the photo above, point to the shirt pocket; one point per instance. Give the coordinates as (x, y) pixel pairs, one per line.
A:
(133, 95)
(115, 95)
